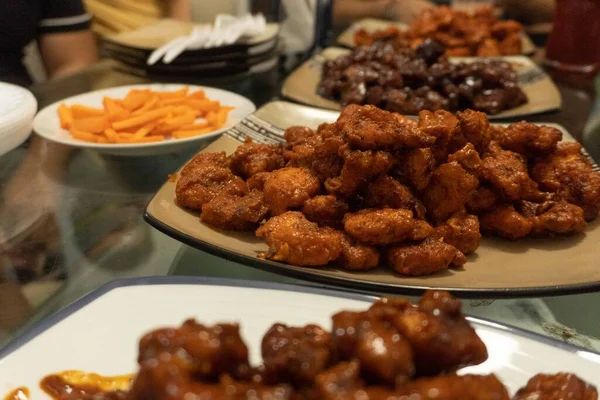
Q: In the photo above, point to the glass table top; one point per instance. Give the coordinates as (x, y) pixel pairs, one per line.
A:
(71, 221)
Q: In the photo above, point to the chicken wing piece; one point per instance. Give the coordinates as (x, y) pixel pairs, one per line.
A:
(298, 134)
(370, 128)
(252, 158)
(556, 387)
(441, 338)
(416, 167)
(502, 29)
(468, 158)
(359, 167)
(507, 172)
(489, 48)
(528, 139)
(448, 191)
(295, 240)
(482, 199)
(385, 356)
(204, 182)
(219, 159)
(511, 45)
(235, 213)
(386, 192)
(325, 210)
(506, 222)
(441, 124)
(452, 387)
(289, 188)
(461, 231)
(569, 173)
(559, 218)
(426, 258)
(387, 226)
(340, 382)
(356, 256)
(257, 181)
(296, 354)
(475, 127)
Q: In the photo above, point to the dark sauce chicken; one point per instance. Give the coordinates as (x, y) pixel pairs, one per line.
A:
(392, 350)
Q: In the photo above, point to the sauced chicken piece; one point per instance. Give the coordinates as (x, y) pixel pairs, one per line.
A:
(205, 182)
(441, 124)
(289, 188)
(210, 350)
(317, 153)
(386, 192)
(416, 166)
(452, 387)
(357, 256)
(298, 134)
(482, 199)
(295, 240)
(252, 158)
(556, 387)
(559, 218)
(325, 210)
(528, 139)
(340, 382)
(475, 128)
(441, 338)
(387, 226)
(569, 173)
(219, 159)
(506, 222)
(468, 158)
(235, 213)
(359, 167)
(257, 181)
(296, 355)
(507, 172)
(512, 44)
(461, 231)
(430, 256)
(449, 189)
(385, 356)
(370, 128)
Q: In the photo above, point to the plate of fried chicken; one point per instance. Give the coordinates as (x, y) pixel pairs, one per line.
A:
(199, 338)
(374, 200)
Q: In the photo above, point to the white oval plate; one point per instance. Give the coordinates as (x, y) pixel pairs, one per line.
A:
(100, 332)
(47, 124)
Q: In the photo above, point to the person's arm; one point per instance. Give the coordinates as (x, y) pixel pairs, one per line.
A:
(65, 53)
(180, 10)
(531, 11)
(347, 11)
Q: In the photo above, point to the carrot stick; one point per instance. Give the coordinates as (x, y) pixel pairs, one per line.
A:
(147, 139)
(141, 119)
(65, 116)
(85, 136)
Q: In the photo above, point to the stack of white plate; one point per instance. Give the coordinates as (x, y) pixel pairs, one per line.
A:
(17, 109)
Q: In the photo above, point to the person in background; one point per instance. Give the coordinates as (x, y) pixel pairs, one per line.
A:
(347, 11)
(180, 10)
(528, 12)
(61, 28)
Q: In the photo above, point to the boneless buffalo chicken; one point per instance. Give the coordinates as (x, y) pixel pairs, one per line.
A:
(393, 350)
(408, 81)
(462, 34)
(376, 188)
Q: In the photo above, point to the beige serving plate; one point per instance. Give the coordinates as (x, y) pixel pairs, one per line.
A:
(302, 84)
(373, 25)
(549, 266)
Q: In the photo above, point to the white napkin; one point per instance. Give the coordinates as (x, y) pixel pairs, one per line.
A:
(227, 29)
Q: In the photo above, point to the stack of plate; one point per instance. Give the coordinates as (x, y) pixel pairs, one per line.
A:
(17, 109)
(247, 56)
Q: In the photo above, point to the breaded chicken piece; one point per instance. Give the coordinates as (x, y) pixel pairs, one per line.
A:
(569, 173)
(370, 128)
(428, 257)
(298, 134)
(482, 199)
(448, 191)
(386, 192)
(387, 226)
(416, 166)
(359, 167)
(252, 158)
(556, 387)
(559, 218)
(289, 188)
(506, 222)
(325, 210)
(507, 172)
(320, 155)
(204, 182)
(461, 231)
(528, 139)
(356, 256)
(441, 124)
(475, 128)
(452, 387)
(295, 240)
(235, 213)
(219, 159)
(468, 158)
(257, 181)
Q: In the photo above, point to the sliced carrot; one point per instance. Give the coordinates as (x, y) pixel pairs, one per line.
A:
(198, 94)
(144, 118)
(147, 139)
(91, 124)
(65, 116)
(78, 111)
(189, 133)
(175, 94)
(152, 103)
(136, 99)
(111, 135)
(85, 136)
